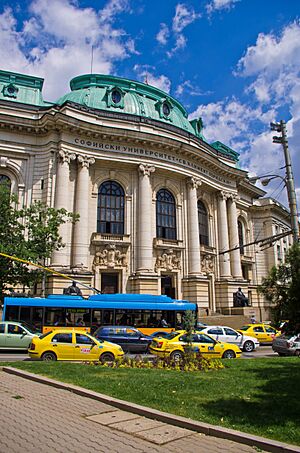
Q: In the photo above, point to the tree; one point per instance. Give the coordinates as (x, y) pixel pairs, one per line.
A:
(282, 288)
(29, 233)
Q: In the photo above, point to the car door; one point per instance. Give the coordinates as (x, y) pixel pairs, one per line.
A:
(63, 346)
(232, 336)
(2, 335)
(16, 337)
(260, 334)
(135, 341)
(270, 333)
(85, 348)
(205, 345)
(215, 332)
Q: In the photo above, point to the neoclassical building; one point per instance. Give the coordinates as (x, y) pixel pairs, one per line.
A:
(162, 211)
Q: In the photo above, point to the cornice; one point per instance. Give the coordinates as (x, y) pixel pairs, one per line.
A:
(59, 120)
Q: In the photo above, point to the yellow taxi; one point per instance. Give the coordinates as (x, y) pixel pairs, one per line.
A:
(263, 332)
(66, 344)
(173, 346)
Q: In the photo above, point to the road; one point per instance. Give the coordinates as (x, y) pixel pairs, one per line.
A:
(263, 351)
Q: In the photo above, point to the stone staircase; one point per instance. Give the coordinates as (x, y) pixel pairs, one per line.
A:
(234, 321)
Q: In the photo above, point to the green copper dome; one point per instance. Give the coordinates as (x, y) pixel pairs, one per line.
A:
(115, 94)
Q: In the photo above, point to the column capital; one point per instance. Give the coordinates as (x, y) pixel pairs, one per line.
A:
(66, 156)
(85, 161)
(224, 195)
(194, 183)
(146, 169)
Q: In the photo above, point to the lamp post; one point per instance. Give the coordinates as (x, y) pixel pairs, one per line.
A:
(289, 179)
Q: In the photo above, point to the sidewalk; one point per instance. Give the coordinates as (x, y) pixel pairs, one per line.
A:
(39, 418)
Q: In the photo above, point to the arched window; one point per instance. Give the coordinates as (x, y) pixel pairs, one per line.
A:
(165, 215)
(241, 237)
(5, 181)
(203, 224)
(110, 213)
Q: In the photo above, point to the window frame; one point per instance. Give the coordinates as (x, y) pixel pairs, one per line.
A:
(166, 221)
(111, 208)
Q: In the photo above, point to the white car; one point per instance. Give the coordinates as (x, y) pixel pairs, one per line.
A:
(229, 335)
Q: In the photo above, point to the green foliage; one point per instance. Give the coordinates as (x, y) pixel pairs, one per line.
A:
(282, 288)
(29, 233)
(189, 322)
(190, 362)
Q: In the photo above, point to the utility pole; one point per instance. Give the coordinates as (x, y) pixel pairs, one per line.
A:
(281, 127)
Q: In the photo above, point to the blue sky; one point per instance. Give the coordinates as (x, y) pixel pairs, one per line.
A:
(235, 63)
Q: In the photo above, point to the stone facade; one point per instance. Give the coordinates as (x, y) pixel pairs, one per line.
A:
(64, 153)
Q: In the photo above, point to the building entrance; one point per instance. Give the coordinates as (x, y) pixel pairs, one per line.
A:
(109, 283)
(167, 286)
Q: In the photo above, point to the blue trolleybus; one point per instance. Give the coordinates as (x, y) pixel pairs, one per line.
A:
(144, 311)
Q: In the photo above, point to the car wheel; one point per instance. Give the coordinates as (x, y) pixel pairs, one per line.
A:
(49, 356)
(107, 357)
(229, 354)
(176, 355)
(248, 346)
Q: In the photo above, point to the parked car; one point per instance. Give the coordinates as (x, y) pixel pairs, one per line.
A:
(66, 344)
(173, 346)
(129, 338)
(262, 332)
(287, 344)
(160, 334)
(229, 335)
(16, 335)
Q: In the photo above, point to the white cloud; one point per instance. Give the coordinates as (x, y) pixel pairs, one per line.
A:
(273, 64)
(145, 73)
(217, 5)
(56, 42)
(190, 88)
(184, 16)
(163, 34)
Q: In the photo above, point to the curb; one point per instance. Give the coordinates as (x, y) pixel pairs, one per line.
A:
(182, 422)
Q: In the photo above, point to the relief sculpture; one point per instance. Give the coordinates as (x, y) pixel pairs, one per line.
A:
(168, 260)
(110, 257)
(207, 264)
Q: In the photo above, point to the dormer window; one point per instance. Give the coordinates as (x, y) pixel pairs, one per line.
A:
(164, 108)
(10, 91)
(115, 97)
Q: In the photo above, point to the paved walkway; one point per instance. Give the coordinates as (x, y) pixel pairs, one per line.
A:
(38, 418)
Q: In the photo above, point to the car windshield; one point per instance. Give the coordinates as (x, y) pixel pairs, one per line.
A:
(244, 328)
(45, 334)
(171, 335)
(30, 327)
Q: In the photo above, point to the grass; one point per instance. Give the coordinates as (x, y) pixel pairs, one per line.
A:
(260, 396)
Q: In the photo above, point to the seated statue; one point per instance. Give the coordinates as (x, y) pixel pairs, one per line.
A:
(73, 290)
(239, 299)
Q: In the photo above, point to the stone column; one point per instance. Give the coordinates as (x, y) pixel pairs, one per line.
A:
(62, 257)
(145, 237)
(223, 235)
(193, 227)
(235, 255)
(81, 240)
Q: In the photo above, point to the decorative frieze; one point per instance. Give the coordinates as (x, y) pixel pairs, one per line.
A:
(168, 260)
(110, 257)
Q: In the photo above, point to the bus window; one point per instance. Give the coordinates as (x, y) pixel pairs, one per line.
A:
(108, 317)
(122, 318)
(32, 316)
(12, 313)
(55, 316)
